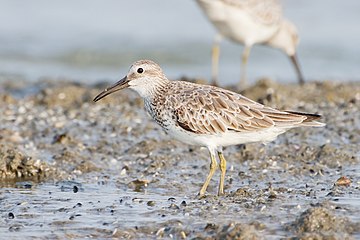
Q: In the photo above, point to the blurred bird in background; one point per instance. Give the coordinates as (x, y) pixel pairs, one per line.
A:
(250, 22)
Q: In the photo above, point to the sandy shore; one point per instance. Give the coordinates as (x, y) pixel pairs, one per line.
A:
(71, 168)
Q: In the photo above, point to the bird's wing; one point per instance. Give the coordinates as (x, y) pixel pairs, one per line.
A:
(211, 110)
(266, 12)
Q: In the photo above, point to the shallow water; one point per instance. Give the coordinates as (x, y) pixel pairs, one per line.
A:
(55, 210)
(65, 40)
(100, 209)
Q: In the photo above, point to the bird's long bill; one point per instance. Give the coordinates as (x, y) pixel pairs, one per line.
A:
(123, 83)
(295, 61)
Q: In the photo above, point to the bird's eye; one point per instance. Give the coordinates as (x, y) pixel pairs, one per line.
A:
(140, 70)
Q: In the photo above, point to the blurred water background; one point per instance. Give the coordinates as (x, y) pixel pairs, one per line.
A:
(89, 40)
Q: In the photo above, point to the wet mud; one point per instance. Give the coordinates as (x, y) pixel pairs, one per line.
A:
(71, 168)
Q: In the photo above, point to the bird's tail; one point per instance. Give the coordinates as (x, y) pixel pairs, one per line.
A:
(310, 120)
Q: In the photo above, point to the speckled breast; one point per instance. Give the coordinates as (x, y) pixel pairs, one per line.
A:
(159, 113)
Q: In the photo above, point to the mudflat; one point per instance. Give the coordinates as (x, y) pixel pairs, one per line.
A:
(72, 168)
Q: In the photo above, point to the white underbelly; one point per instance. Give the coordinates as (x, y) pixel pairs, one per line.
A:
(227, 139)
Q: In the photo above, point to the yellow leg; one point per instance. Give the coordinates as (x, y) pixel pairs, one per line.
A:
(213, 166)
(245, 56)
(223, 171)
(215, 54)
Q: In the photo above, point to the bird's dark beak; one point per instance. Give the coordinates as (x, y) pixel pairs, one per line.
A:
(123, 83)
(295, 61)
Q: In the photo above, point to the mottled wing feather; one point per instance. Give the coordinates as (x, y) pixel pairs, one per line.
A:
(267, 12)
(211, 110)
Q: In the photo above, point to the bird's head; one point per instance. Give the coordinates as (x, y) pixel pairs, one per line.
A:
(144, 77)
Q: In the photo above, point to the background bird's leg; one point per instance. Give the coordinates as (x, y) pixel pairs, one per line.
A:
(223, 171)
(213, 166)
(215, 54)
(244, 60)
(295, 61)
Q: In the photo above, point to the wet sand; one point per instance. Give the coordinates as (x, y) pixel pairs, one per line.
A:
(71, 168)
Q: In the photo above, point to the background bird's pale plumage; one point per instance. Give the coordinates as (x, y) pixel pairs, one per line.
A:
(265, 12)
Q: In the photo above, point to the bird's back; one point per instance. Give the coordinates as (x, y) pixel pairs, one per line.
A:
(205, 109)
